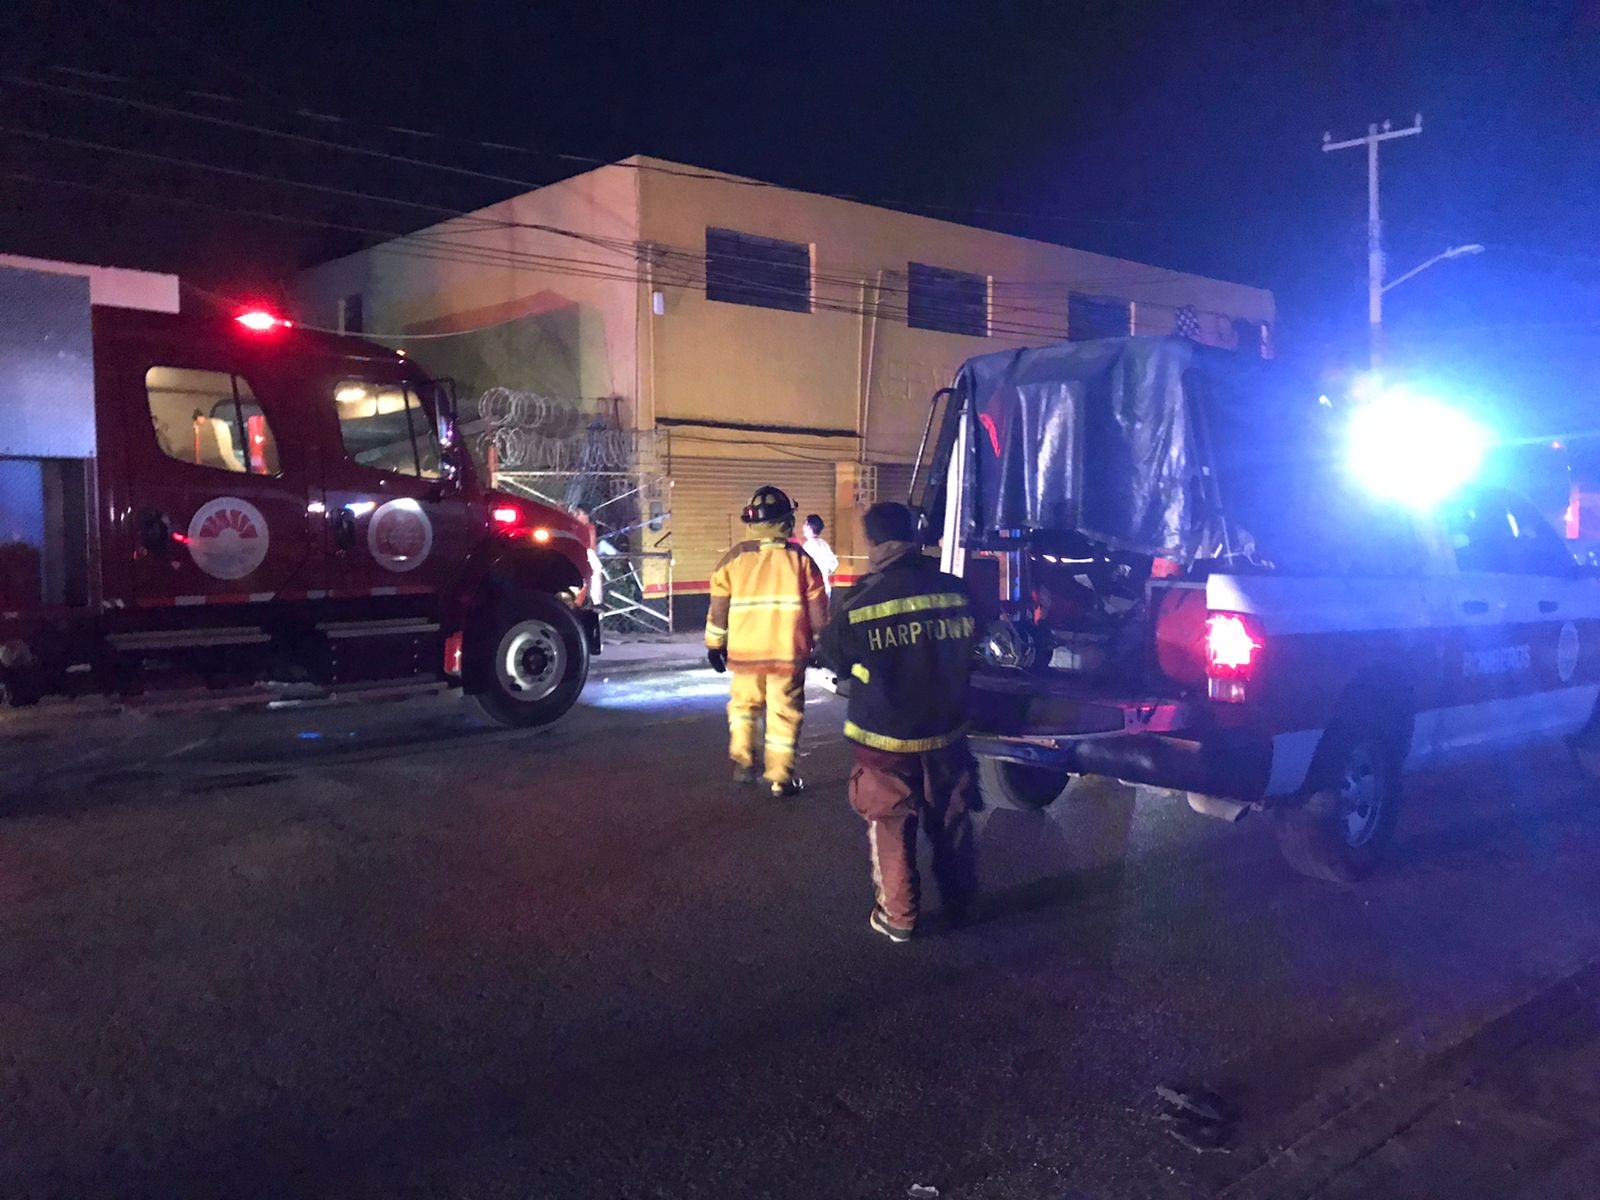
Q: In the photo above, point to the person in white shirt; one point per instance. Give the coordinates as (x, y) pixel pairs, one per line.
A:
(589, 535)
(821, 553)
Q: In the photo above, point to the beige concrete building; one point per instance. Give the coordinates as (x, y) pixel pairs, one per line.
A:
(748, 333)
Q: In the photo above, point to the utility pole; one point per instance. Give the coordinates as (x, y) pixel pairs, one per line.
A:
(1375, 134)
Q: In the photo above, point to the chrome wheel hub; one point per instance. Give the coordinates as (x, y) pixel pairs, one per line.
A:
(1360, 798)
(532, 661)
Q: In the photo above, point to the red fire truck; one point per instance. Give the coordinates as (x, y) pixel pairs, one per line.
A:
(1198, 579)
(237, 499)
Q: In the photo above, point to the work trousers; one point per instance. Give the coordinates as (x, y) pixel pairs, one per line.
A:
(895, 792)
(781, 699)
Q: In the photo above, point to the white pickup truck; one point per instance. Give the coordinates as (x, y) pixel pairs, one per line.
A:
(1186, 588)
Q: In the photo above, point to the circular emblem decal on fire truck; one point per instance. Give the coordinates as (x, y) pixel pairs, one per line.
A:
(400, 535)
(1567, 653)
(228, 538)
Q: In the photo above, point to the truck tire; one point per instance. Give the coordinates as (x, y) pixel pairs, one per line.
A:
(1018, 786)
(1341, 827)
(528, 661)
(20, 690)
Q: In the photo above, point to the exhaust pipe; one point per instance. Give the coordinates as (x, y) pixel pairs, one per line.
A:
(1231, 811)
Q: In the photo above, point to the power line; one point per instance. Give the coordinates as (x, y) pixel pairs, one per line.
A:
(235, 172)
(692, 265)
(142, 18)
(1054, 217)
(323, 189)
(246, 127)
(405, 245)
(690, 260)
(1161, 278)
(442, 250)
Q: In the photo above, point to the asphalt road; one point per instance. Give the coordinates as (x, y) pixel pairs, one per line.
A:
(384, 951)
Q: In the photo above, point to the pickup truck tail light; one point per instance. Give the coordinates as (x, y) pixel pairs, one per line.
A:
(1234, 646)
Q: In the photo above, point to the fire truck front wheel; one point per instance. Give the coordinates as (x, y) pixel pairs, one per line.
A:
(1342, 826)
(528, 661)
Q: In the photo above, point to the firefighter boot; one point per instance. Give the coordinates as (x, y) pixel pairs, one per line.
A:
(785, 709)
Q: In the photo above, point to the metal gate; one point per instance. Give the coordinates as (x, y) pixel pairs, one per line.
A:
(706, 496)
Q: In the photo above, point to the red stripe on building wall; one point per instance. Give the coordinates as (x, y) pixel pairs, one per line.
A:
(687, 587)
(692, 587)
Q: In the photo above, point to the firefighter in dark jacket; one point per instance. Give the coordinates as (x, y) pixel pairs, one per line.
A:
(905, 637)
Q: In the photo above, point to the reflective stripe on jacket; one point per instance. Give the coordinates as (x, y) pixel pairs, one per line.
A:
(906, 636)
(767, 606)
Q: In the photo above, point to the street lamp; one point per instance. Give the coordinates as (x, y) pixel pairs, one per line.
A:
(1375, 305)
(1453, 252)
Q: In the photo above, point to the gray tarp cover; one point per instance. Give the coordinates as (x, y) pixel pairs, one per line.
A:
(1097, 437)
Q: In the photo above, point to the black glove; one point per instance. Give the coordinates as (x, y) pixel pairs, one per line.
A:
(718, 660)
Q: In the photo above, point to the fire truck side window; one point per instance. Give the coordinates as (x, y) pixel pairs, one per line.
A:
(210, 419)
(387, 427)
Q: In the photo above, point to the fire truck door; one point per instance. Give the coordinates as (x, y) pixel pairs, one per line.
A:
(216, 510)
(395, 525)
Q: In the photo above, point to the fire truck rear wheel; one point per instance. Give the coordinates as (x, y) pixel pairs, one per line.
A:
(531, 661)
(1020, 786)
(1342, 827)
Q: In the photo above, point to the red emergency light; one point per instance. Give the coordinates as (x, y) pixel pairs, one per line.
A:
(509, 518)
(1233, 652)
(259, 320)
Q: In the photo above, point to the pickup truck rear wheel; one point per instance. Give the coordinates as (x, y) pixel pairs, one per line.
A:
(1341, 828)
(528, 661)
(1020, 786)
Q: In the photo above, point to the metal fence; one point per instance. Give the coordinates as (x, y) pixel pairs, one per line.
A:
(628, 607)
(569, 453)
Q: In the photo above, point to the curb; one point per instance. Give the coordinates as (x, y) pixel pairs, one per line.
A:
(604, 668)
(1319, 1157)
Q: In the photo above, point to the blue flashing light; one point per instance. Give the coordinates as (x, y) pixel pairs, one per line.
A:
(1414, 449)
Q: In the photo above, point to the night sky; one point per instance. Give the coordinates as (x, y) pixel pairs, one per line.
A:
(1184, 135)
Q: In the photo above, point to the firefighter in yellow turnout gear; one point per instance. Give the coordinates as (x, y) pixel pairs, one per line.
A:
(768, 606)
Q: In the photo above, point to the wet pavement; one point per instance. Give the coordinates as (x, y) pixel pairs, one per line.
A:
(386, 950)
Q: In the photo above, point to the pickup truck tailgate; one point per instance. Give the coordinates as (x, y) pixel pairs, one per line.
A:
(1020, 704)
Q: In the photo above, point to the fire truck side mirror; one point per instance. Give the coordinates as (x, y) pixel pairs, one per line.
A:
(344, 531)
(449, 481)
(155, 532)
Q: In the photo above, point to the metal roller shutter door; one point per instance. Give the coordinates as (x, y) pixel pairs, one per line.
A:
(708, 494)
(894, 481)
